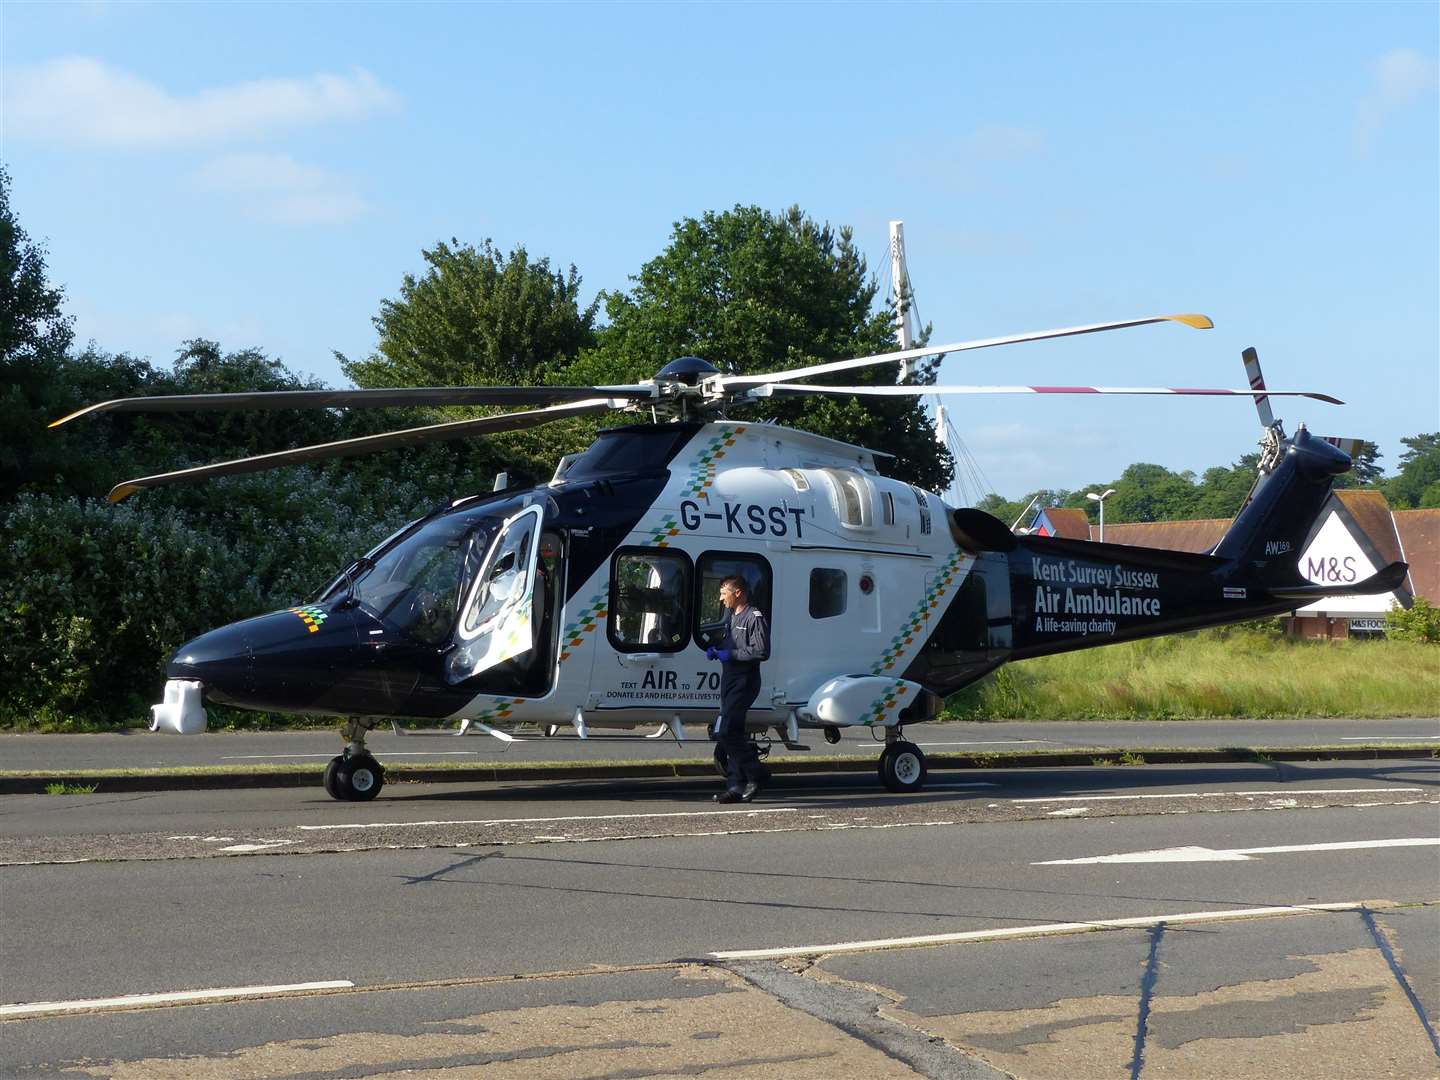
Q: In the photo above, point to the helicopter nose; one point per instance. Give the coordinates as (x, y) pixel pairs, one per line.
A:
(286, 660)
(222, 660)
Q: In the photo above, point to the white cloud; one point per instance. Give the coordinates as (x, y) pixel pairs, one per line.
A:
(78, 99)
(277, 188)
(1401, 78)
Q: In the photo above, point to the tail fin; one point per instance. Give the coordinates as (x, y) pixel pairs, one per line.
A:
(1294, 482)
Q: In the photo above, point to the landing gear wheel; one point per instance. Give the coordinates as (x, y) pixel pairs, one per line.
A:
(332, 777)
(902, 767)
(357, 778)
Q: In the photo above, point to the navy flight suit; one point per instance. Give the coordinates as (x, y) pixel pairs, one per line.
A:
(748, 639)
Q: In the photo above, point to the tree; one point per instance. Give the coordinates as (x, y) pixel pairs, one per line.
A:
(750, 291)
(1151, 493)
(477, 318)
(35, 336)
(1419, 469)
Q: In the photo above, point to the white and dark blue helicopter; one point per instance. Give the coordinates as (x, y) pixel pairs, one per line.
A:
(589, 601)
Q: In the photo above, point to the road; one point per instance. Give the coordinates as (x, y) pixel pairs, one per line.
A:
(635, 929)
(138, 749)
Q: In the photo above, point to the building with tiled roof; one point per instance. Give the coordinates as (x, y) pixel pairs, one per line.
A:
(1062, 521)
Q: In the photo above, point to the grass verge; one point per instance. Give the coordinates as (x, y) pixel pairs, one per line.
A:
(1210, 675)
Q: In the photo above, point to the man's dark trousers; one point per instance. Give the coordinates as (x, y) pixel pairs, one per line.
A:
(739, 687)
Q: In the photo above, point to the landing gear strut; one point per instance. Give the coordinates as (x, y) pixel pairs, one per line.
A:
(354, 776)
(902, 764)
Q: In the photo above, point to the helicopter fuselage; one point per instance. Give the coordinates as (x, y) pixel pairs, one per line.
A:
(595, 596)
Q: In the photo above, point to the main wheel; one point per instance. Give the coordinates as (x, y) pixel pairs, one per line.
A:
(358, 778)
(902, 767)
(332, 777)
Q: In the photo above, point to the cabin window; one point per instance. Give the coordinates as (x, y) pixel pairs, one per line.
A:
(650, 600)
(714, 567)
(887, 501)
(828, 591)
(798, 479)
(852, 497)
(923, 502)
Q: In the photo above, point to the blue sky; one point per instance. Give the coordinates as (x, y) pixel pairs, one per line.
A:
(264, 174)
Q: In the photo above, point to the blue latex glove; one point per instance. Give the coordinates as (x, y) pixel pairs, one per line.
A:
(712, 653)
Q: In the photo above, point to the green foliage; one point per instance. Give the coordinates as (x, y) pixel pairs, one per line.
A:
(1415, 484)
(477, 318)
(751, 291)
(34, 336)
(70, 789)
(1420, 622)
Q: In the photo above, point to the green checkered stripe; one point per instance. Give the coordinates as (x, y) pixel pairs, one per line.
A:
(915, 623)
(588, 619)
(499, 710)
(702, 476)
(660, 534)
(312, 617)
(884, 703)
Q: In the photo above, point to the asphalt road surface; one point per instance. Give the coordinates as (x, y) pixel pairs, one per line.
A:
(1276, 920)
(138, 749)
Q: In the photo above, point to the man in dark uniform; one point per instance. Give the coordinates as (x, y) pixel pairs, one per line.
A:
(747, 642)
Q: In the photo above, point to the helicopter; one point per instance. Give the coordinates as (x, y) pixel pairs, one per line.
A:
(589, 601)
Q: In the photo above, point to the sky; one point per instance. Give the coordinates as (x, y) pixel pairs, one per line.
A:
(264, 175)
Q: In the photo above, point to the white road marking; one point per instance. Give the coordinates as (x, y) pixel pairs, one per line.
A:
(327, 757)
(1390, 738)
(41, 1008)
(988, 742)
(1069, 811)
(241, 849)
(1204, 854)
(546, 820)
(1025, 931)
(1219, 794)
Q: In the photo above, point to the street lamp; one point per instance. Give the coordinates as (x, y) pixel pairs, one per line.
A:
(1101, 500)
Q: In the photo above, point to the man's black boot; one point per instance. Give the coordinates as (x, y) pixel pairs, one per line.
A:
(749, 792)
(729, 796)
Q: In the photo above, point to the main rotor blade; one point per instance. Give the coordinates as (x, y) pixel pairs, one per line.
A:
(457, 429)
(792, 390)
(1199, 322)
(360, 399)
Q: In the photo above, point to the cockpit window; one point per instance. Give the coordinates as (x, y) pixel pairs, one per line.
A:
(416, 584)
(498, 622)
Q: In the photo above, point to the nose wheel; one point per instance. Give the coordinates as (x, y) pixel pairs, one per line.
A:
(902, 767)
(354, 777)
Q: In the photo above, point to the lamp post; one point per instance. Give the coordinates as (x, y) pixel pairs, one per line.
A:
(1101, 500)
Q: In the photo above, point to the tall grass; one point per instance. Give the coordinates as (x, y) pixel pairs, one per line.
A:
(1212, 674)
